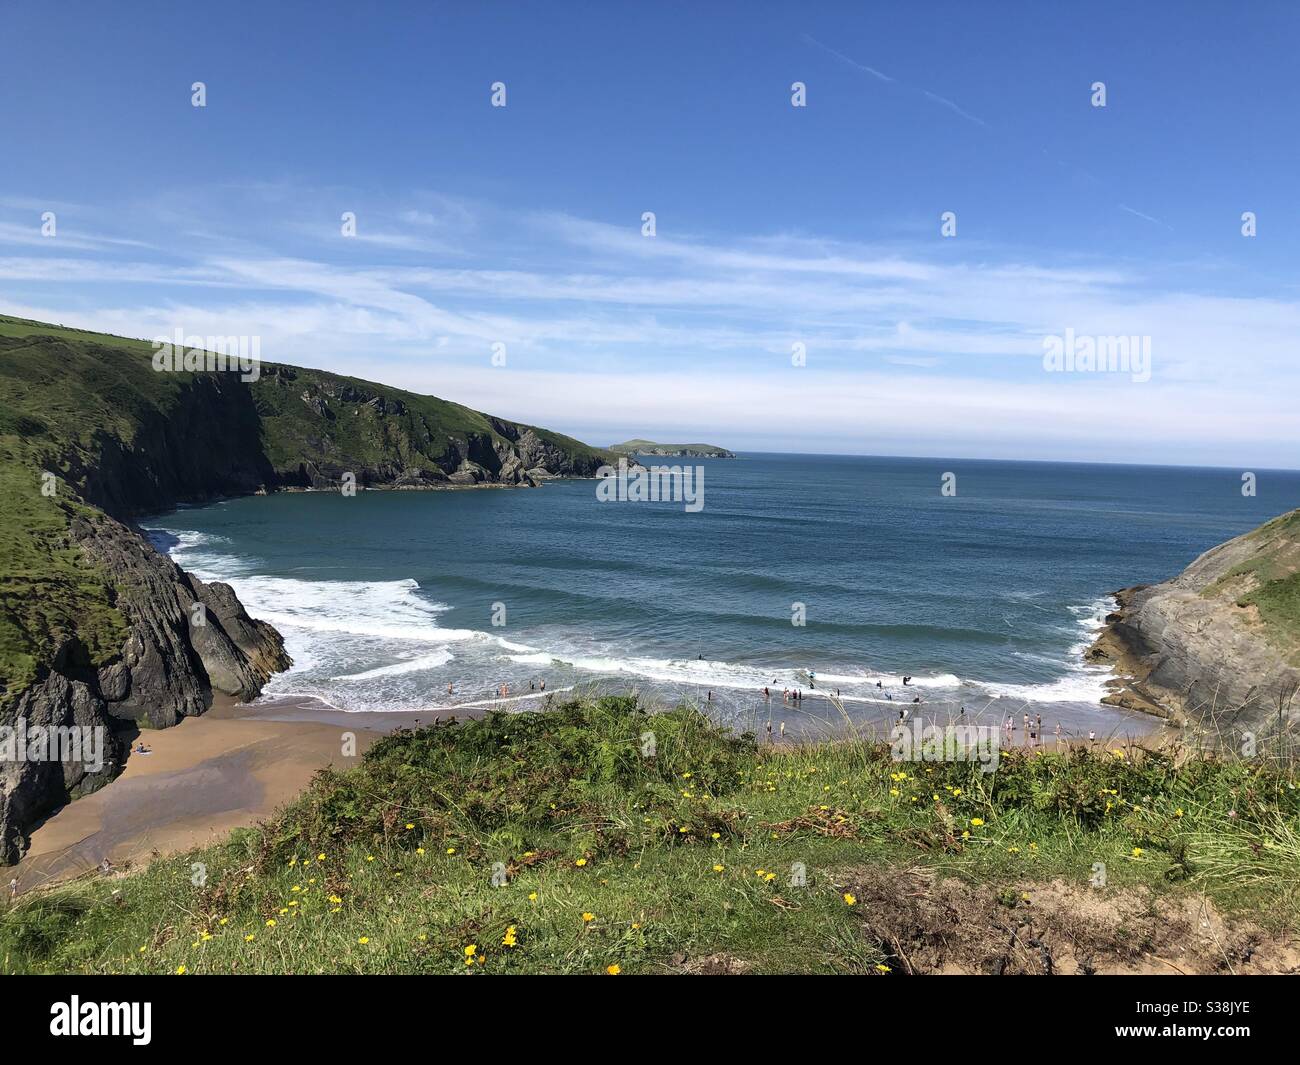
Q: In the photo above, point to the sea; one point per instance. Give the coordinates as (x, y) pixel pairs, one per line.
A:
(981, 581)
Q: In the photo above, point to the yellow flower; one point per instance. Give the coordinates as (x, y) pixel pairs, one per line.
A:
(249, 938)
(1137, 852)
(419, 850)
(270, 923)
(717, 868)
(587, 918)
(471, 950)
(451, 850)
(532, 896)
(409, 826)
(320, 857)
(180, 970)
(850, 899)
(370, 857)
(509, 940)
(717, 835)
(883, 968)
(580, 862)
(224, 921)
(363, 940)
(684, 828)
(1178, 812)
(976, 822)
(614, 969)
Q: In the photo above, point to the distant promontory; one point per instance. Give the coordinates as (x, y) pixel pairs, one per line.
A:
(687, 451)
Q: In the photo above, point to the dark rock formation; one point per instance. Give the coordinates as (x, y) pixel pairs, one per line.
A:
(187, 640)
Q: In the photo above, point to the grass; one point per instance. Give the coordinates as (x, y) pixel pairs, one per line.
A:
(612, 856)
(48, 592)
(1272, 581)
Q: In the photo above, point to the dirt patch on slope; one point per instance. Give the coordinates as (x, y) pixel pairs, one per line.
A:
(926, 924)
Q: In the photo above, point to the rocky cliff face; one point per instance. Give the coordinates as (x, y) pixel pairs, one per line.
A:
(1217, 647)
(186, 640)
(318, 427)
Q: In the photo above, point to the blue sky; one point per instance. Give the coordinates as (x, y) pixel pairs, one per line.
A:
(776, 225)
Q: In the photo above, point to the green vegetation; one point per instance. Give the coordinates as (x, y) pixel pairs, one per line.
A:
(1269, 580)
(616, 856)
(409, 430)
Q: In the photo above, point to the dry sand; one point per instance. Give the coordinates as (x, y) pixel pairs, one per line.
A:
(230, 768)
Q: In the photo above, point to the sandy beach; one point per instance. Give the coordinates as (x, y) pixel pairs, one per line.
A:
(230, 768)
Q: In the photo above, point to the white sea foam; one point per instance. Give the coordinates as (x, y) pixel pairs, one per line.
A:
(377, 645)
(399, 669)
(1082, 682)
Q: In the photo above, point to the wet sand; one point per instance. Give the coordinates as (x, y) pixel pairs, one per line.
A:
(230, 768)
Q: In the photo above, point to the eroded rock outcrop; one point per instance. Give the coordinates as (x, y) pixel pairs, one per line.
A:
(186, 641)
(1217, 647)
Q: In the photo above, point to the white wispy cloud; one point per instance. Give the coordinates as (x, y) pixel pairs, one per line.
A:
(609, 331)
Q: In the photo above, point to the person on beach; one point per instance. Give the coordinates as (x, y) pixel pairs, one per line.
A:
(710, 697)
(812, 679)
(1092, 736)
(782, 730)
(906, 680)
(449, 689)
(543, 686)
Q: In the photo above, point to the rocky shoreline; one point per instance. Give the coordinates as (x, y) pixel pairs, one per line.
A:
(1197, 650)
